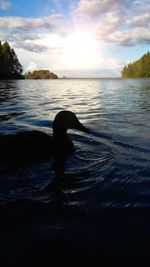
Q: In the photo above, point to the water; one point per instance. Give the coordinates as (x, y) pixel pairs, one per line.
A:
(108, 175)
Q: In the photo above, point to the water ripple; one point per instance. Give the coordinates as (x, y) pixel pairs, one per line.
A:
(112, 171)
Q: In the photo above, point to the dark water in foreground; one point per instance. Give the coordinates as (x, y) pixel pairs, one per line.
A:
(101, 205)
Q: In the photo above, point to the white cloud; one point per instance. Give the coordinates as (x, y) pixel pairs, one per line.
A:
(131, 37)
(29, 33)
(95, 8)
(4, 5)
(29, 24)
(31, 66)
(108, 18)
(121, 25)
(108, 25)
(32, 46)
(141, 20)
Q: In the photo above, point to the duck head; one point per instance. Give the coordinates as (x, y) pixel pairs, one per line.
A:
(63, 121)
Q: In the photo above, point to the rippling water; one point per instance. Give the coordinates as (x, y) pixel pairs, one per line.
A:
(110, 172)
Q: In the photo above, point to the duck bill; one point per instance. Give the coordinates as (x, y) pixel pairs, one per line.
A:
(83, 128)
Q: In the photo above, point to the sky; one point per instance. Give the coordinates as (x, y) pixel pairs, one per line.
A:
(76, 38)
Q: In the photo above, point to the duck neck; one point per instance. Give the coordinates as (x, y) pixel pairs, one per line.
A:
(59, 133)
(62, 142)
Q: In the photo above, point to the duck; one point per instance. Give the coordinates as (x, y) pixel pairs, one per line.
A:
(39, 145)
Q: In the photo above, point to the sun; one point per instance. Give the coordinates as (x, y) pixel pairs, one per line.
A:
(80, 50)
(77, 50)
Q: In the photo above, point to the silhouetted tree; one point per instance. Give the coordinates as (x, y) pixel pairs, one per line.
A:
(138, 69)
(10, 67)
(0, 51)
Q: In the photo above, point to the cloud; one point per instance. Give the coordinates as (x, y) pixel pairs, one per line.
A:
(29, 33)
(4, 5)
(32, 46)
(94, 8)
(109, 21)
(131, 37)
(140, 21)
(108, 25)
(121, 25)
(31, 66)
(30, 24)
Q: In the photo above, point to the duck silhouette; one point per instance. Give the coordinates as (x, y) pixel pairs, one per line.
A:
(39, 145)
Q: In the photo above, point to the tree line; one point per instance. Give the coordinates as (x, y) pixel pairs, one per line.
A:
(40, 74)
(11, 68)
(138, 69)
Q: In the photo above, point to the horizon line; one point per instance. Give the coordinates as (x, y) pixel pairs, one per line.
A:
(65, 77)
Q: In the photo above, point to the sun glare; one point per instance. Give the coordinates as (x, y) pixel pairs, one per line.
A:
(80, 51)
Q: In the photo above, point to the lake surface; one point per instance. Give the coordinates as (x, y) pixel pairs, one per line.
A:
(106, 180)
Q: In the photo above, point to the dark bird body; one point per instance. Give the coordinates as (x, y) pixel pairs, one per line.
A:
(39, 145)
